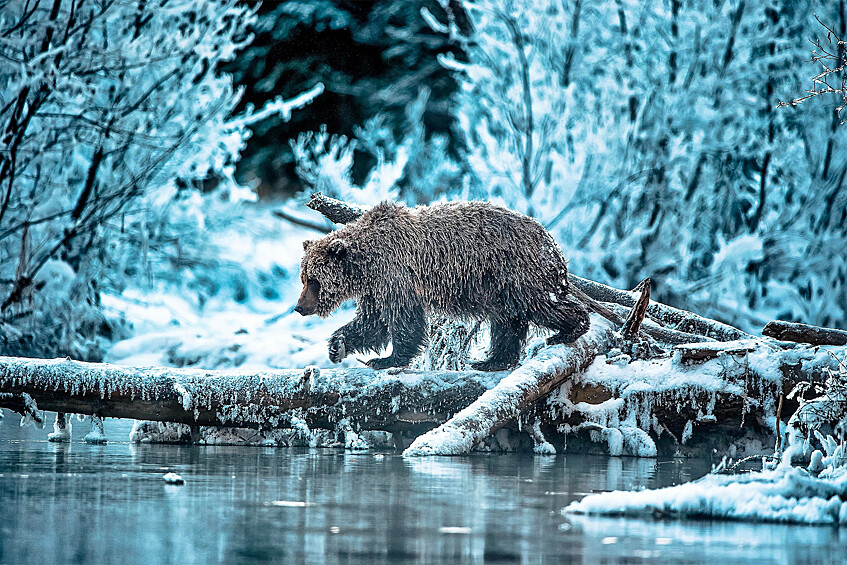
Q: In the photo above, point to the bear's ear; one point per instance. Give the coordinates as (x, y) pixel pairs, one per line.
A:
(306, 244)
(338, 248)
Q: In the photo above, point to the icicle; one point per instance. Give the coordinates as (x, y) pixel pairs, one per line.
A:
(97, 434)
(540, 444)
(61, 429)
(352, 441)
(687, 432)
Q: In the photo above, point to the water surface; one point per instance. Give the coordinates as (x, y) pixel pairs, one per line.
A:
(80, 503)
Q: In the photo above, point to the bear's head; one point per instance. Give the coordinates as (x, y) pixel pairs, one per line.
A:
(326, 275)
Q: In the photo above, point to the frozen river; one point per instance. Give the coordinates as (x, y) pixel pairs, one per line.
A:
(80, 503)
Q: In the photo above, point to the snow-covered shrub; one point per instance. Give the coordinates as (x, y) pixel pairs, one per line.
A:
(108, 111)
(820, 422)
(646, 136)
(413, 168)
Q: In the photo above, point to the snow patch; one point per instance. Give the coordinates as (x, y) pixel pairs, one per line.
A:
(173, 479)
(790, 495)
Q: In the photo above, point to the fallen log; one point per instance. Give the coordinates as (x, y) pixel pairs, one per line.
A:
(674, 318)
(743, 384)
(803, 333)
(406, 401)
(655, 394)
(513, 394)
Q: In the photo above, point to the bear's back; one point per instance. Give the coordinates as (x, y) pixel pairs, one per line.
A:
(475, 258)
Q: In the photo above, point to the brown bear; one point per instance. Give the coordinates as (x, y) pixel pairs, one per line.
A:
(467, 260)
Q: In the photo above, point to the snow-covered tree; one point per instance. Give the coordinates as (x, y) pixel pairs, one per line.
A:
(105, 108)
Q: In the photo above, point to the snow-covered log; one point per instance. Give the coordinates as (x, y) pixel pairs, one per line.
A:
(523, 387)
(616, 398)
(737, 385)
(803, 333)
(681, 320)
(629, 404)
(404, 401)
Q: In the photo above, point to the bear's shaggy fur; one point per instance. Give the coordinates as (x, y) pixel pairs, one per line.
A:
(469, 260)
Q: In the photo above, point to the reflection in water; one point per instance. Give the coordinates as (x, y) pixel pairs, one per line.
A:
(107, 503)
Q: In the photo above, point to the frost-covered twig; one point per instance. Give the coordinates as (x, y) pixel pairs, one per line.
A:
(833, 58)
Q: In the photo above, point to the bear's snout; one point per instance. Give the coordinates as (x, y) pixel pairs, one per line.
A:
(308, 302)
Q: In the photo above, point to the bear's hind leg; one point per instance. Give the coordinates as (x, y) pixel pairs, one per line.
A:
(567, 317)
(408, 336)
(507, 340)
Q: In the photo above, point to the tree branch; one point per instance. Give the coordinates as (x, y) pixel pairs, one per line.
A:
(803, 333)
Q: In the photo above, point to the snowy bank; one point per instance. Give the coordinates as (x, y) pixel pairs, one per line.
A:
(791, 495)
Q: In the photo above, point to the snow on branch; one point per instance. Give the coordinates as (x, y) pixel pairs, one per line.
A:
(334, 210)
(277, 106)
(832, 57)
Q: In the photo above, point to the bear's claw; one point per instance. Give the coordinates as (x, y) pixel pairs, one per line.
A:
(491, 366)
(384, 363)
(337, 348)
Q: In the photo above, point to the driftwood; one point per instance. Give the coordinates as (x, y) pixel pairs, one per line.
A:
(802, 333)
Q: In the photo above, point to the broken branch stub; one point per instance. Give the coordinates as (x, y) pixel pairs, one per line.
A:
(803, 333)
(636, 316)
(334, 210)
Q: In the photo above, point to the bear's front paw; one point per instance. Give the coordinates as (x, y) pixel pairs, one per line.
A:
(337, 348)
(386, 363)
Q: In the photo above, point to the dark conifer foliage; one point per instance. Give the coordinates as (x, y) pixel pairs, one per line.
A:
(372, 57)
